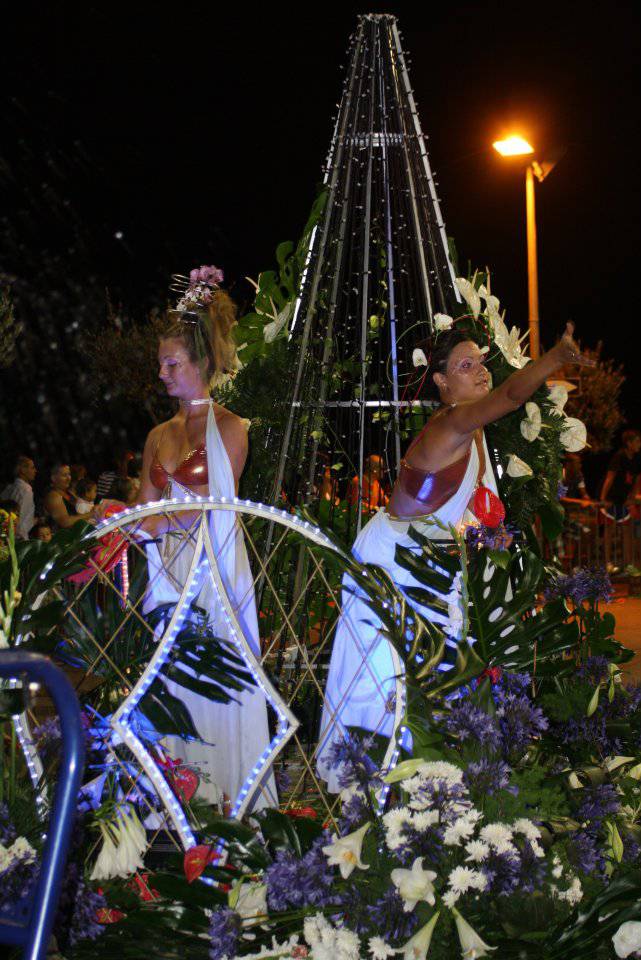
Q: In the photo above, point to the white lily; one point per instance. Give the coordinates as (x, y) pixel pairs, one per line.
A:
(627, 939)
(414, 885)
(509, 343)
(472, 946)
(345, 852)
(558, 395)
(573, 435)
(417, 947)
(531, 425)
(124, 843)
(418, 358)
(470, 294)
(442, 322)
(106, 867)
(517, 467)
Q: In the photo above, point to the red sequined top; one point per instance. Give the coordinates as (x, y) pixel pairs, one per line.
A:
(190, 472)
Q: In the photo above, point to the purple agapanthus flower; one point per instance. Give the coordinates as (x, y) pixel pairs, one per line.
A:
(503, 871)
(7, 830)
(533, 869)
(486, 777)
(520, 722)
(594, 670)
(473, 726)
(16, 885)
(224, 933)
(389, 919)
(597, 803)
(349, 757)
(490, 538)
(299, 881)
(584, 854)
(561, 491)
(353, 814)
(585, 584)
(84, 925)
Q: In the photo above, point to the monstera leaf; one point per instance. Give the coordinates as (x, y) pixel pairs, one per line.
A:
(114, 645)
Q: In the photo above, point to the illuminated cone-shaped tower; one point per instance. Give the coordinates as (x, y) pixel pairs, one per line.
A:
(378, 271)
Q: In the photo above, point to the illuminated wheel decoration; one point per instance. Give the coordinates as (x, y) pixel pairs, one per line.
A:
(289, 557)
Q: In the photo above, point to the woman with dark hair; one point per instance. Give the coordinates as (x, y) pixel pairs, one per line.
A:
(202, 450)
(445, 477)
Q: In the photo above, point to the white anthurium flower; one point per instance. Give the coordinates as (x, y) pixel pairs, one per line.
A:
(627, 939)
(271, 330)
(417, 947)
(558, 395)
(418, 358)
(345, 852)
(470, 294)
(531, 425)
(573, 435)
(517, 467)
(472, 946)
(251, 900)
(442, 322)
(414, 885)
(106, 867)
(509, 343)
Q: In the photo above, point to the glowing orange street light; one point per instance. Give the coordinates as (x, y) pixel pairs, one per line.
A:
(515, 146)
(512, 147)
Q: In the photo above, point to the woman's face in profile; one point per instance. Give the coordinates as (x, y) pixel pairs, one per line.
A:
(465, 377)
(180, 375)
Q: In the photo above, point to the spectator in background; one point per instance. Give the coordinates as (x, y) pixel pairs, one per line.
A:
(21, 490)
(373, 494)
(622, 476)
(134, 472)
(78, 473)
(59, 502)
(125, 491)
(41, 530)
(86, 490)
(108, 477)
(573, 479)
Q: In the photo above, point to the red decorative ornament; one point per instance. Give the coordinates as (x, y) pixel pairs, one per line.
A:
(487, 507)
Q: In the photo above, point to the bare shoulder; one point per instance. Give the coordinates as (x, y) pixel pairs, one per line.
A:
(231, 426)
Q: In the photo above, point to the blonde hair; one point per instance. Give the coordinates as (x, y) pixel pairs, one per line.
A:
(208, 335)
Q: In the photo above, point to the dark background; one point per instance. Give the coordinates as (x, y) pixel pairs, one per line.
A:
(137, 142)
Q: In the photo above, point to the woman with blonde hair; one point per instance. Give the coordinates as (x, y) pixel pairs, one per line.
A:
(202, 450)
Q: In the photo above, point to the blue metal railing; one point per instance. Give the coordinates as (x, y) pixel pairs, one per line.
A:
(33, 933)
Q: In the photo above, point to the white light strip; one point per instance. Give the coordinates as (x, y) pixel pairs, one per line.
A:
(358, 404)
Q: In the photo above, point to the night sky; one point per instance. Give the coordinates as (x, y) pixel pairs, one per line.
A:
(138, 142)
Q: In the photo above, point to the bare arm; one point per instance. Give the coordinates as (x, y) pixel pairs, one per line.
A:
(55, 508)
(518, 388)
(607, 484)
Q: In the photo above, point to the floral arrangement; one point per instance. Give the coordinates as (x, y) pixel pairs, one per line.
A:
(200, 286)
(532, 442)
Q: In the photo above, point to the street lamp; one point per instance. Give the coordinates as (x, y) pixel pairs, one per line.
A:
(515, 146)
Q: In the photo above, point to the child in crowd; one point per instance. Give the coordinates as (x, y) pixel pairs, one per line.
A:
(86, 490)
(40, 531)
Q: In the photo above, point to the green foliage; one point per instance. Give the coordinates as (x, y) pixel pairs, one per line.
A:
(536, 790)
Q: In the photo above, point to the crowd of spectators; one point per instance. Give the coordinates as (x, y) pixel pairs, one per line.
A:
(44, 501)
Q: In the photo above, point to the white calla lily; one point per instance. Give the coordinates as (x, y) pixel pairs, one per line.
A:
(518, 468)
(345, 852)
(418, 358)
(472, 946)
(531, 426)
(470, 294)
(417, 947)
(574, 435)
(558, 395)
(414, 885)
(442, 322)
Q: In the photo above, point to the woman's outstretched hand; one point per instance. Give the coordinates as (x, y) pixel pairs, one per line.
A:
(569, 350)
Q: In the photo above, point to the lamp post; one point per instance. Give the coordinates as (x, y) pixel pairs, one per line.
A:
(516, 146)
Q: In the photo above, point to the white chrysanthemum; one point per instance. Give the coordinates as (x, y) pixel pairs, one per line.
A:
(495, 833)
(574, 893)
(440, 770)
(379, 950)
(537, 849)
(449, 898)
(455, 833)
(477, 851)
(557, 868)
(22, 848)
(425, 819)
(462, 879)
(527, 828)
(505, 846)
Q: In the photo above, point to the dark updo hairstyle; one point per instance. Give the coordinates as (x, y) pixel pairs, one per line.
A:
(207, 334)
(437, 351)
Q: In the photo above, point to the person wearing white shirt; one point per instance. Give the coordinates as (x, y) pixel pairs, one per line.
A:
(21, 491)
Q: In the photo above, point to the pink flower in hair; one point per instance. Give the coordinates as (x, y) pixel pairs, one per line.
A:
(211, 276)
